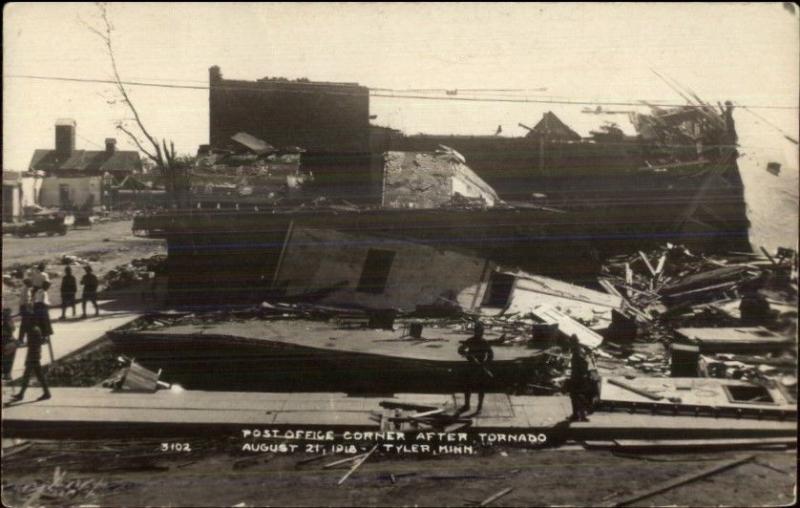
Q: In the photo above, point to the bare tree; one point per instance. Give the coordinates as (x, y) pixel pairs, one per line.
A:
(172, 169)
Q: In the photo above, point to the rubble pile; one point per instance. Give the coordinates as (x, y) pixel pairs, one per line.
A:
(89, 368)
(135, 271)
(60, 491)
(672, 289)
(14, 275)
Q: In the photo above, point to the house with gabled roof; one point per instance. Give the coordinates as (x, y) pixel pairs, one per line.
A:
(77, 178)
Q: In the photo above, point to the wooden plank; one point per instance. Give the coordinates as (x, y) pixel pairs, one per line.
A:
(427, 413)
(357, 464)
(647, 262)
(660, 266)
(311, 459)
(494, 497)
(676, 482)
(389, 404)
(703, 443)
(568, 326)
(771, 259)
(643, 393)
(342, 461)
(609, 287)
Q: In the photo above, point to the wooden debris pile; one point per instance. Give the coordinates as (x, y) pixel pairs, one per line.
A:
(88, 368)
(402, 416)
(135, 271)
(61, 491)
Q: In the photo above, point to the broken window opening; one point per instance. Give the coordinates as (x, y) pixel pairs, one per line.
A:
(499, 291)
(376, 271)
(748, 394)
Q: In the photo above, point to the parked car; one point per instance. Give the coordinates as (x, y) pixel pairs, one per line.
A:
(49, 224)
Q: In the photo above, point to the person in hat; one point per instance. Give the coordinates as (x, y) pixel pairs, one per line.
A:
(33, 366)
(478, 353)
(89, 282)
(69, 288)
(40, 281)
(580, 384)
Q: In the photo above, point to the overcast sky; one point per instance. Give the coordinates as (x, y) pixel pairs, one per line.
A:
(744, 52)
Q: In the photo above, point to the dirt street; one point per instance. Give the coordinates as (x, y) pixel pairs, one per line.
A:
(106, 245)
(567, 476)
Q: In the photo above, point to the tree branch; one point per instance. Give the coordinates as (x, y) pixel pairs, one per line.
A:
(138, 143)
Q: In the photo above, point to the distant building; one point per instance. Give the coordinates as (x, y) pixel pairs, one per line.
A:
(20, 191)
(76, 178)
(551, 129)
(329, 121)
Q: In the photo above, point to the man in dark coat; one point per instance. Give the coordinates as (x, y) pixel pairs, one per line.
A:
(89, 282)
(25, 310)
(479, 354)
(69, 288)
(33, 365)
(581, 384)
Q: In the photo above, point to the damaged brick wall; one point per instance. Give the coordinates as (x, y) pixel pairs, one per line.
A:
(430, 180)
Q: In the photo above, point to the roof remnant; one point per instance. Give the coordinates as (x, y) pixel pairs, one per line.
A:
(88, 161)
(552, 128)
(253, 143)
(432, 180)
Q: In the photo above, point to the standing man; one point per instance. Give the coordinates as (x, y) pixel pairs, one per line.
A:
(581, 384)
(39, 276)
(89, 283)
(479, 355)
(9, 344)
(41, 301)
(69, 288)
(33, 365)
(25, 310)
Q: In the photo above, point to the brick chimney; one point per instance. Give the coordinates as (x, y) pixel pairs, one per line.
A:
(111, 145)
(214, 74)
(65, 136)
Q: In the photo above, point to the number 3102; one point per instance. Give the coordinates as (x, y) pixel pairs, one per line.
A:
(175, 447)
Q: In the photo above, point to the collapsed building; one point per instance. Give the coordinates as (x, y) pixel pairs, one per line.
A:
(300, 155)
(250, 173)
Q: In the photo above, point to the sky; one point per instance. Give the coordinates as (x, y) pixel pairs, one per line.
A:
(747, 53)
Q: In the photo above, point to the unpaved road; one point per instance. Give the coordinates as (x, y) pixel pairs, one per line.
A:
(566, 477)
(106, 245)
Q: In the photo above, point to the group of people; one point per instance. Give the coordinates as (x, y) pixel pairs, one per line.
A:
(69, 291)
(35, 328)
(582, 384)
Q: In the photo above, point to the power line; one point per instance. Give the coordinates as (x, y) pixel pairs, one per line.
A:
(89, 141)
(790, 138)
(525, 100)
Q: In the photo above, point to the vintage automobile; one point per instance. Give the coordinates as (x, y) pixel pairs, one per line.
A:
(51, 225)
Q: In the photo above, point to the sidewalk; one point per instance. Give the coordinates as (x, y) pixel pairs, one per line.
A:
(73, 334)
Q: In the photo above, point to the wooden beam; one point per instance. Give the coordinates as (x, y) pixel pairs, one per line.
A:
(661, 262)
(771, 260)
(343, 461)
(357, 464)
(427, 413)
(495, 497)
(643, 393)
(681, 480)
(647, 262)
(609, 287)
(279, 263)
(390, 404)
